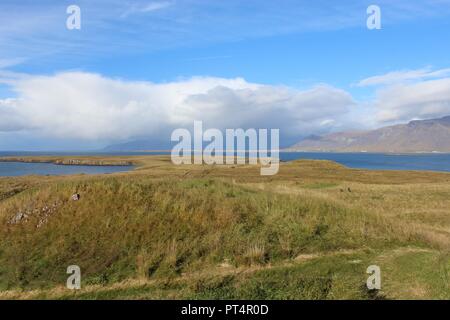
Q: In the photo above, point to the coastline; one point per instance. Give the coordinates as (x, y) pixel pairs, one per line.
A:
(71, 161)
(434, 162)
(366, 152)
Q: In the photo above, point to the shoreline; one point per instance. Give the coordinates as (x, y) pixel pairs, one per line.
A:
(139, 161)
(417, 153)
(71, 161)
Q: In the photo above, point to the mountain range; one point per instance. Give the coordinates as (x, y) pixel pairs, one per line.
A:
(431, 135)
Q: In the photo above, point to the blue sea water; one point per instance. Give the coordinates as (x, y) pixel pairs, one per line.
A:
(11, 169)
(373, 161)
(379, 161)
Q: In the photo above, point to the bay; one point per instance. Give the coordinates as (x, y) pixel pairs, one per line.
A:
(371, 161)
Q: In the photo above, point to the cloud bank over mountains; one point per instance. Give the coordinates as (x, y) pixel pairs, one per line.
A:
(91, 107)
(410, 95)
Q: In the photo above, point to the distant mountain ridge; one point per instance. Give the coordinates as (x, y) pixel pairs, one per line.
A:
(137, 146)
(431, 135)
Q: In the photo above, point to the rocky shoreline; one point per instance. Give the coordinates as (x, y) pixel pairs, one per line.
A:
(70, 162)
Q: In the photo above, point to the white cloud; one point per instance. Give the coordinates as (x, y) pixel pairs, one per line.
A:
(403, 76)
(423, 100)
(410, 94)
(10, 120)
(91, 107)
(87, 107)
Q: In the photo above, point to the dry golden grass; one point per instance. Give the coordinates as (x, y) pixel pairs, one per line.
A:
(161, 231)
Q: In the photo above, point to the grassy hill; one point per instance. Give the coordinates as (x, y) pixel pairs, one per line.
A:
(165, 231)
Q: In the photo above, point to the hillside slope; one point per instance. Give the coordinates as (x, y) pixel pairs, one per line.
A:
(416, 136)
(202, 232)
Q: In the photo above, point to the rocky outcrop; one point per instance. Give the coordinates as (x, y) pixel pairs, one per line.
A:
(40, 215)
(68, 162)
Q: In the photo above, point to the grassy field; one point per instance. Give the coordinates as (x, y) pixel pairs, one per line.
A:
(225, 232)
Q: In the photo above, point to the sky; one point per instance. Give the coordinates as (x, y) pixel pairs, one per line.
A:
(140, 69)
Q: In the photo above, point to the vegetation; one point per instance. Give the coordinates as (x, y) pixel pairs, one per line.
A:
(225, 232)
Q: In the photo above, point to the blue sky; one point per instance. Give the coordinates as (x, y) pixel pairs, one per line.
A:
(244, 54)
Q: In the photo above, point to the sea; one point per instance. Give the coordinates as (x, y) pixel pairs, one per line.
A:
(370, 161)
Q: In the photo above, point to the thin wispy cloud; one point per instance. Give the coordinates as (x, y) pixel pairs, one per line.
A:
(10, 78)
(136, 8)
(6, 63)
(396, 77)
(108, 26)
(153, 6)
(209, 58)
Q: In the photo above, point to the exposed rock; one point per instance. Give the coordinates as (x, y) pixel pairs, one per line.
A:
(42, 222)
(76, 197)
(226, 264)
(18, 218)
(42, 214)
